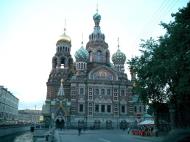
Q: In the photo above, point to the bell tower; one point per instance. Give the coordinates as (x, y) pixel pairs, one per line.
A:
(62, 67)
(96, 46)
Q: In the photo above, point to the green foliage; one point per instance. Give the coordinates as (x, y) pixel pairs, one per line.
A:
(163, 69)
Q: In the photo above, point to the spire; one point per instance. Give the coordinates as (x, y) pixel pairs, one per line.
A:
(82, 40)
(65, 27)
(61, 89)
(97, 7)
(97, 16)
(118, 43)
(64, 36)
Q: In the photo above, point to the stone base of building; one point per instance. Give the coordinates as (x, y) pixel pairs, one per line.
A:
(97, 122)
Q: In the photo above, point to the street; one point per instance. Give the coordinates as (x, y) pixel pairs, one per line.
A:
(101, 136)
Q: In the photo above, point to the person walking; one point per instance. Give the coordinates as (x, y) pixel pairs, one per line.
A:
(79, 130)
(128, 130)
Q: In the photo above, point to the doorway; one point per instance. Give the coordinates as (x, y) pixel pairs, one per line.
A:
(60, 123)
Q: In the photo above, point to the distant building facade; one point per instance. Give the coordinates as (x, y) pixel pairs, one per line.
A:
(8, 105)
(93, 89)
(29, 116)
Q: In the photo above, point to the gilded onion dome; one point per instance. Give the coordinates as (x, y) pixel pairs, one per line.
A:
(81, 54)
(64, 38)
(119, 57)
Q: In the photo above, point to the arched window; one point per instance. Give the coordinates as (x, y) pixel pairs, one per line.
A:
(99, 54)
(90, 56)
(81, 65)
(63, 48)
(62, 62)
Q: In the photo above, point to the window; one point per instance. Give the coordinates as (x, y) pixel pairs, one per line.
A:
(122, 92)
(90, 113)
(81, 91)
(102, 92)
(108, 92)
(81, 108)
(140, 109)
(62, 62)
(90, 104)
(96, 108)
(90, 89)
(102, 108)
(115, 90)
(96, 91)
(90, 108)
(109, 108)
(90, 97)
(115, 98)
(135, 109)
(115, 107)
(123, 108)
(98, 58)
(73, 92)
(90, 56)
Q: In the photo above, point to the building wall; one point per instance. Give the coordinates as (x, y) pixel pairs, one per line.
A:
(31, 116)
(8, 105)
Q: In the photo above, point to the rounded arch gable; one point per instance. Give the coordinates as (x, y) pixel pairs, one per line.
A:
(102, 73)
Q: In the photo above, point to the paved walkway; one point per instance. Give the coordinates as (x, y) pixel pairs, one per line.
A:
(101, 136)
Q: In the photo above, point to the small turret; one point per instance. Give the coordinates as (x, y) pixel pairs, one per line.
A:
(81, 56)
(119, 59)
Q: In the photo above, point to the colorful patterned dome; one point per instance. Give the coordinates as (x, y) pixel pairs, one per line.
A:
(119, 57)
(81, 55)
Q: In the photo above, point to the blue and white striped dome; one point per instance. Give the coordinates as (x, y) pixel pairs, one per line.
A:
(81, 55)
(119, 57)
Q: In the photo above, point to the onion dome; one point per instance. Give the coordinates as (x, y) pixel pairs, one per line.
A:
(97, 35)
(119, 57)
(97, 18)
(81, 54)
(64, 38)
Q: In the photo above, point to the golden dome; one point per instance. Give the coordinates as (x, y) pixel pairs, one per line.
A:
(64, 37)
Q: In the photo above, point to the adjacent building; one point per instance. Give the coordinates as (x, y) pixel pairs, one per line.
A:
(8, 105)
(29, 116)
(92, 89)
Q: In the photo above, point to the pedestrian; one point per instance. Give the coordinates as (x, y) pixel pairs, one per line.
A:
(128, 130)
(79, 131)
(47, 137)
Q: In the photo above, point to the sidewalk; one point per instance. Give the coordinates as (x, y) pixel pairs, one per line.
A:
(149, 138)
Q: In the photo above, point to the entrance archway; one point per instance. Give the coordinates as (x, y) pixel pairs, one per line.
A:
(60, 123)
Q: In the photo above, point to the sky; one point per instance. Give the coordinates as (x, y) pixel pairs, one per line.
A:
(29, 30)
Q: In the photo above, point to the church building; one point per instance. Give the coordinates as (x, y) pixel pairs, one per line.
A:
(92, 90)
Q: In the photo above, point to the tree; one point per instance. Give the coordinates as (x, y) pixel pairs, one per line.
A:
(163, 69)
